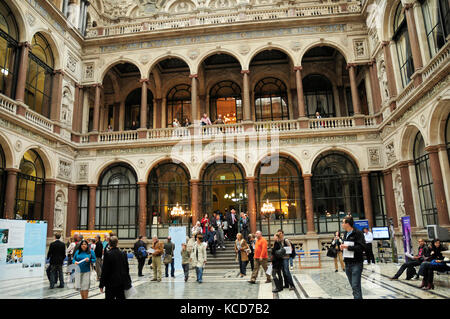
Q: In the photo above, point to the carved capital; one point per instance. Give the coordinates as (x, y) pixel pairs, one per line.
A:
(61, 72)
(350, 65)
(191, 76)
(143, 80)
(245, 71)
(385, 43)
(25, 44)
(298, 68)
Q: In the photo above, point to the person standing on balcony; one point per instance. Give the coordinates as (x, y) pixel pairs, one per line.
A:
(219, 120)
(110, 129)
(186, 123)
(205, 120)
(134, 125)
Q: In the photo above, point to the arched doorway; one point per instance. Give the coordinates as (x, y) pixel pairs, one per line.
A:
(318, 93)
(179, 104)
(133, 109)
(271, 100)
(424, 182)
(168, 185)
(117, 201)
(30, 187)
(39, 83)
(337, 191)
(225, 100)
(223, 188)
(9, 51)
(284, 189)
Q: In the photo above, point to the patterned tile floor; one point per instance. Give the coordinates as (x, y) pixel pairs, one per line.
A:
(321, 283)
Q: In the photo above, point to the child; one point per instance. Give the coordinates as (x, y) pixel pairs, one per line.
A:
(185, 260)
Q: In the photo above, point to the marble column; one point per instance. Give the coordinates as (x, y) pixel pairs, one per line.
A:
(122, 116)
(251, 203)
(49, 205)
(309, 204)
(195, 203)
(354, 89)
(438, 185)
(76, 108)
(407, 191)
(143, 112)
(164, 113)
(158, 112)
(246, 98)
(56, 99)
(22, 74)
(375, 85)
(72, 209)
(414, 42)
(10, 192)
(368, 211)
(92, 206)
(96, 118)
(389, 197)
(142, 221)
(300, 95)
(194, 105)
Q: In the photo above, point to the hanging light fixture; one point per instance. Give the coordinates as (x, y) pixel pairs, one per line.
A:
(177, 211)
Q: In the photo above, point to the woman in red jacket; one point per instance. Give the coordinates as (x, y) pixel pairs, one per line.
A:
(204, 222)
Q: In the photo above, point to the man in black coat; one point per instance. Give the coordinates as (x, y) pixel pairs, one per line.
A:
(56, 254)
(232, 225)
(353, 247)
(141, 259)
(115, 272)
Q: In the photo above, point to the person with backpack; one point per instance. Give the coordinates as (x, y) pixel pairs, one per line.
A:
(288, 282)
(140, 252)
(169, 258)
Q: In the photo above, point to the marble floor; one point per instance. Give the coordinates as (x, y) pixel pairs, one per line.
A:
(322, 283)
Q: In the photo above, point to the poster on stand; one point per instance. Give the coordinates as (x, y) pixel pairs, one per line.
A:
(361, 224)
(22, 248)
(406, 228)
(178, 235)
(90, 234)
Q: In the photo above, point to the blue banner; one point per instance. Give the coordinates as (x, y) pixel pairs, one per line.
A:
(406, 228)
(178, 235)
(361, 224)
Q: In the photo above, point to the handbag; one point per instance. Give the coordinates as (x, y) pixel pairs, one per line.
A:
(167, 259)
(269, 270)
(331, 252)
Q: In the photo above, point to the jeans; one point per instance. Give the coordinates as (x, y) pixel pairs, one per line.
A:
(288, 282)
(353, 272)
(186, 270)
(199, 271)
(410, 266)
(141, 263)
(277, 279)
(242, 264)
(172, 268)
(291, 261)
(220, 238)
(55, 273)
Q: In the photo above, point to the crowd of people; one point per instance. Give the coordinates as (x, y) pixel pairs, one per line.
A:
(112, 269)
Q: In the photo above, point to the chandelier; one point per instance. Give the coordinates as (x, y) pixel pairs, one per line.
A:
(177, 211)
(235, 198)
(267, 208)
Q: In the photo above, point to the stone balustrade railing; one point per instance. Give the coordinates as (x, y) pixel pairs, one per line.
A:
(176, 22)
(8, 105)
(227, 129)
(331, 122)
(168, 133)
(278, 126)
(439, 61)
(407, 91)
(118, 136)
(39, 120)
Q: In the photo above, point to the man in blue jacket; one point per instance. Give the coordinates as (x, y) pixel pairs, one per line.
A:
(353, 247)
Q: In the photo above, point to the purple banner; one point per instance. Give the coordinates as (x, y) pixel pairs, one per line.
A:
(406, 228)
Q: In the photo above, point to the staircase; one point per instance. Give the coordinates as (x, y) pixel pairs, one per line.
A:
(224, 259)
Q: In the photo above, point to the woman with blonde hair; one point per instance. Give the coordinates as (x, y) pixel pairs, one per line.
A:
(242, 250)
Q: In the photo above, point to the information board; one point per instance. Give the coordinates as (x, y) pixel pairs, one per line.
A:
(361, 224)
(22, 248)
(178, 235)
(90, 234)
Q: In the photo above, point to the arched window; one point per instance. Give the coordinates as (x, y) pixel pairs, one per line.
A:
(436, 15)
(271, 100)
(9, 50)
(40, 76)
(424, 182)
(280, 181)
(133, 109)
(30, 187)
(179, 104)
(318, 93)
(402, 43)
(337, 191)
(223, 187)
(117, 201)
(225, 99)
(168, 185)
(2, 180)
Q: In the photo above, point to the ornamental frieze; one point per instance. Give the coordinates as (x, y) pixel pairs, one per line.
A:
(20, 130)
(225, 37)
